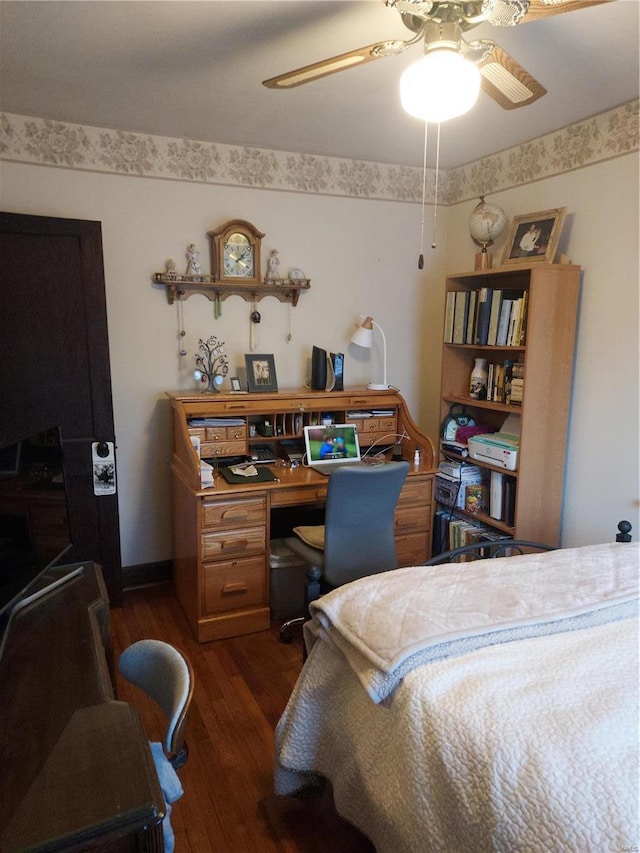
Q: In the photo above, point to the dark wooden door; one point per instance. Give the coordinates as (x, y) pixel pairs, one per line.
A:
(54, 364)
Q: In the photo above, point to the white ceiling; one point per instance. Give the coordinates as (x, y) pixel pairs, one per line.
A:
(194, 69)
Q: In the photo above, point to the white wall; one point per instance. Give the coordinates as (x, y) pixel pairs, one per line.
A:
(601, 235)
(361, 256)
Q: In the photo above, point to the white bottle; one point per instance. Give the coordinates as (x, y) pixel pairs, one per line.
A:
(416, 457)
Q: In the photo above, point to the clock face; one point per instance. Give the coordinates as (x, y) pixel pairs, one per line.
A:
(238, 256)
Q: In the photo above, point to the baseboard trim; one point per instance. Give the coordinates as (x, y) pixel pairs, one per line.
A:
(146, 574)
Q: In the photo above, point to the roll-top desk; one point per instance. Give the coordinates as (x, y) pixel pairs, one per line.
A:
(222, 534)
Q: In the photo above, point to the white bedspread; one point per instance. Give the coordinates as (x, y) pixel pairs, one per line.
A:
(520, 734)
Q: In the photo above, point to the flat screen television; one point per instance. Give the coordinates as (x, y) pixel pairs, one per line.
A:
(34, 526)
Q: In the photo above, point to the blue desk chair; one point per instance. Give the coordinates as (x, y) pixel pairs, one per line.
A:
(166, 676)
(357, 538)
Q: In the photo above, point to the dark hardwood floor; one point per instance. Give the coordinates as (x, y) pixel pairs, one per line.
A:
(241, 688)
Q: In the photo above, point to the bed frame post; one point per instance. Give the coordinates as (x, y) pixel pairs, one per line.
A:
(625, 532)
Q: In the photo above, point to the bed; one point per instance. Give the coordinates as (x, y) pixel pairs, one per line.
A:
(485, 706)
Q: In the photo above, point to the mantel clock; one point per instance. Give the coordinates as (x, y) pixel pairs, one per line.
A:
(235, 252)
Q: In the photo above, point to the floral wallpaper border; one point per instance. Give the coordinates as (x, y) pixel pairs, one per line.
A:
(72, 146)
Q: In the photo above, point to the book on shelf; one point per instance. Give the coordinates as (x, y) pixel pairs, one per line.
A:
(491, 369)
(494, 317)
(513, 321)
(460, 316)
(508, 367)
(449, 312)
(520, 332)
(498, 387)
(495, 495)
(509, 500)
(482, 317)
(517, 384)
(471, 317)
(503, 322)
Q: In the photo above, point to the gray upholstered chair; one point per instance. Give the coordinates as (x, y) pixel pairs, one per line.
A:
(358, 537)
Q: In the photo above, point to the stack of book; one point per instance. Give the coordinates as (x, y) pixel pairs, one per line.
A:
(516, 387)
(451, 531)
(505, 382)
(486, 317)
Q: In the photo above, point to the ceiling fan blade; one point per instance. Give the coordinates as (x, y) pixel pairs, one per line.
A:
(507, 82)
(337, 63)
(544, 8)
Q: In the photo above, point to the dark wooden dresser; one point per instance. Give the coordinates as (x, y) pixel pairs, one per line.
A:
(76, 772)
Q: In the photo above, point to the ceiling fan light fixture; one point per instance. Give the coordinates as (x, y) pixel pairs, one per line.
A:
(441, 85)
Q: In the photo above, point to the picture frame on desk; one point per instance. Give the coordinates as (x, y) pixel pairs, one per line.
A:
(261, 373)
(533, 237)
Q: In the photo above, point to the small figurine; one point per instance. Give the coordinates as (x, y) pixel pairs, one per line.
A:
(193, 260)
(170, 267)
(273, 265)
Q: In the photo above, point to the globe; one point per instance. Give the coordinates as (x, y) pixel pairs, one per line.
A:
(486, 223)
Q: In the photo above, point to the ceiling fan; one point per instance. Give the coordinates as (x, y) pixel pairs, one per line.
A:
(440, 26)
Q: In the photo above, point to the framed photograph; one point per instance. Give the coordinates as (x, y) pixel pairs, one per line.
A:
(235, 384)
(261, 373)
(534, 237)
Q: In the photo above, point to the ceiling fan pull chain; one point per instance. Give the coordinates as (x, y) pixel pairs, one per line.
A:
(424, 190)
(435, 194)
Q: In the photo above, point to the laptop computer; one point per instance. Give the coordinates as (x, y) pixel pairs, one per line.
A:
(329, 447)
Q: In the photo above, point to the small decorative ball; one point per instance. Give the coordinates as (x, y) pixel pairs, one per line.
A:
(197, 375)
(486, 223)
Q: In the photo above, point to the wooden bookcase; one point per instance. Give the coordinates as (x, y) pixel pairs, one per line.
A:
(547, 353)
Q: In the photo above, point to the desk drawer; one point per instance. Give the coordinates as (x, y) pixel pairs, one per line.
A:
(209, 449)
(412, 549)
(233, 584)
(301, 495)
(238, 542)
(416, 490)
(234, 513)
(232, 433)
(412, 518)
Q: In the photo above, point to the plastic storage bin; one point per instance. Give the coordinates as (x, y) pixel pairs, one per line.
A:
(287, 579)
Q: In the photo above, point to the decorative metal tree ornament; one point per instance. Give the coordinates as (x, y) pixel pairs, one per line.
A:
(212, 365)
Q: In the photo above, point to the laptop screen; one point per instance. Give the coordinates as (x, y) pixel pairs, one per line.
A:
(331, 443)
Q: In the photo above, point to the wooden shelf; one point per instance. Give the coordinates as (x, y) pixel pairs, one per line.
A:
(183, 286)
(491, 405)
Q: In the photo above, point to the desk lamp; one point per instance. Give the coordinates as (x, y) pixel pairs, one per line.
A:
(363, 337)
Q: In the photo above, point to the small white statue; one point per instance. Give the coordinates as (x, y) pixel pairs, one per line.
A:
(193, 260)
(273, 265)
(170, 267)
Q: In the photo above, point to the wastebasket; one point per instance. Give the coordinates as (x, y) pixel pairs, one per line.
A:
(287, 579)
